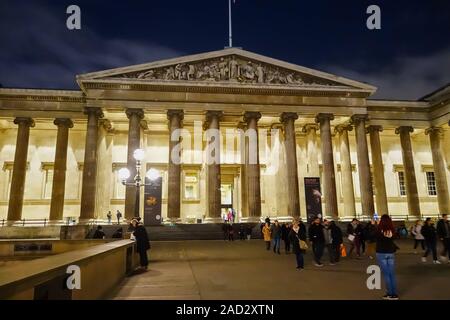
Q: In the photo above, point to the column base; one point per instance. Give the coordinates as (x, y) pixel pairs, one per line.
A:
(169, 221)
(213, 220)
(56, 222)
(251, 219)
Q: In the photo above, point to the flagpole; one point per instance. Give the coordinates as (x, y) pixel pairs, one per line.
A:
(229, 25)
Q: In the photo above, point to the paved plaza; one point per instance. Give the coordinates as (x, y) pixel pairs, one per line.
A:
(245, 270)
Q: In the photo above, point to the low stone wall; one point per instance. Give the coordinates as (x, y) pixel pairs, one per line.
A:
(13, 232)
(102, 268)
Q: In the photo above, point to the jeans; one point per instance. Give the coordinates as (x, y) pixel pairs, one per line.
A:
(300, 261)
(387, 265)
(446, 243)
(318, 248)
(431, 246)
(417, 241)
(143, 258)
(276, 244)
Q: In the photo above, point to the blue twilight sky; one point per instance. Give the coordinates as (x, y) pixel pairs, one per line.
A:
(408, 58)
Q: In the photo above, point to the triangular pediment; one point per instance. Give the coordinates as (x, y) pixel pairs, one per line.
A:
(232, 66)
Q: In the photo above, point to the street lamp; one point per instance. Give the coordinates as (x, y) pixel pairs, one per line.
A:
(124, 175)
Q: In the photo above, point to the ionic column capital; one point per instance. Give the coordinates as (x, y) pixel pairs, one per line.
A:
(107, 125)
(26, 121)
(342, 127)
(175, 113)
(403, 129)
(288, 116)
(374, 128)
(321, 117)
(134, 112)
(93, 110)
(63, 122)
(252, 115)
(358, 118)
(433, 129)
(213, 114)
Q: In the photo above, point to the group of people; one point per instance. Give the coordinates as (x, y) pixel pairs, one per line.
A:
(375, 239)
(228, 232)
(118, 216)
(427, 235)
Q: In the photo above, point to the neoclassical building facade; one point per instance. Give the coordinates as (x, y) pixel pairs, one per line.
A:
(61, 151)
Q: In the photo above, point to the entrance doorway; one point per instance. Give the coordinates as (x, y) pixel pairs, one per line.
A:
(226, 191)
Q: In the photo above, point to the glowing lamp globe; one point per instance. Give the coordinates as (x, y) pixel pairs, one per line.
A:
(139, 154)
(124, 174)
(153, 174)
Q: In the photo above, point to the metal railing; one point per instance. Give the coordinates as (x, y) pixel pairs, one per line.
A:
(25, 222)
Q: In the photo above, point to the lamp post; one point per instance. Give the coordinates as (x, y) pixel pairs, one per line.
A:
(138, 182)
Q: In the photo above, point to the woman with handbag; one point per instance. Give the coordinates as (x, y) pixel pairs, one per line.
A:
(297, 237)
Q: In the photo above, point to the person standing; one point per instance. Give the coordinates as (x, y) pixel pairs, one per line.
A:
(336, 240)
(225, 231)
(248, 232)
(295, 235)
(371, 238)
(276, 236)
(317, 239)
(352, 237)
(109, 216)
(443, 231)
(385, 249)
(416, 231)
(118, 215)
(328, 242)
(142, 242)
(267, 235)
(230, 232)
(430, 234)
(285, 230)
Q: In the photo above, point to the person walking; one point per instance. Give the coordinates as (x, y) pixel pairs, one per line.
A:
(352, 237)
(285, 231)
(385, 251)
(142, 242)
(225, 231)
(328, 242)
(99, 234)
(119, 216)
(267, 235)
(370, 232)
(429, 233)
(443, 232)
(109, 217)
(276, 236)
(317, 239)
(336, 240)
(241, 232)
(416, 231)
(248, 232)
(297, 234)
(230, 232)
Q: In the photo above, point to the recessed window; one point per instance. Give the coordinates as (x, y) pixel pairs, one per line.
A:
(48, 184)
(191, 185)
(431, 183)
(401, 183)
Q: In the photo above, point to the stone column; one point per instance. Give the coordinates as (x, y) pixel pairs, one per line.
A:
(243, 173)
(329, 179)
(365, 177)
(412, 194)
(88, 187)
(134, 142)
(59, 173)
(213, 164)
(288, 119)
(253, 169)
(311, 148)
(439, 169)
(19, 168)
(175, 118)
(346, 171)
(378, 170)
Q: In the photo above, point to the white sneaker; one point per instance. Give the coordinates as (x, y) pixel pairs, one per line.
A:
(436, 262)
(424, 259)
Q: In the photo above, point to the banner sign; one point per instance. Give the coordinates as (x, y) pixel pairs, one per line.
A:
(153, 202)
(313, 197)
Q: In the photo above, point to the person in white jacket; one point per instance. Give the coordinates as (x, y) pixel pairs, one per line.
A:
(418, 237)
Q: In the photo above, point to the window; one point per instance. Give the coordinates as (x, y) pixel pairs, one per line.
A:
(431, 183)
(401, 183)
(48, 184)
(191, 185)
(7, 167)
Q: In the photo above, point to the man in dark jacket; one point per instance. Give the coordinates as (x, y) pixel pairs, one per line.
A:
(443, 231)
(276, 236)
(142, 242)
(429, 233)
(285, 230)
(336, 240)
(99, 234)
(318, 240)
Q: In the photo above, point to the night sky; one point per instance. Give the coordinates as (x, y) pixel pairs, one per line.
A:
(408, 58)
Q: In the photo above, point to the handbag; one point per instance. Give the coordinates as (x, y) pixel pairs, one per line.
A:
(343, 251)
(351, 237)
(303, 245)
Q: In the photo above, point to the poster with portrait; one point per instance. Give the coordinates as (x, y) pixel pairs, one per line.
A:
(313, 196)
(152, 202)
